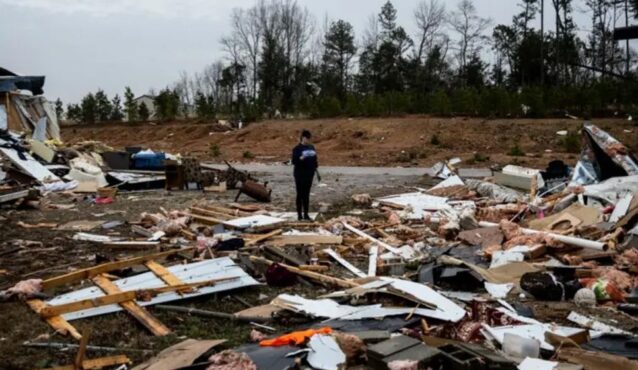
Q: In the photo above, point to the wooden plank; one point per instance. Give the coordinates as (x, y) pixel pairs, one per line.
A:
(306, 240)
(90, 272)
(210, 220)
(205, 212)
(377, 241)
(163, 273)
(79, 357)
(14, 196)
(373, 254)
(283, 255)
(56, 322)
(263, 237)
(234, 213)
(350, 267)
(309, 274)
(149, 321)
(96, 363)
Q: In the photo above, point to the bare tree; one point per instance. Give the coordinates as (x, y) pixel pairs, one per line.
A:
(470, 27)
(247, 35)
(430, 18)
(186, 96)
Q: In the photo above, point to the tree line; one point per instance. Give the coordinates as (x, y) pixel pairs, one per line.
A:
(278, 62)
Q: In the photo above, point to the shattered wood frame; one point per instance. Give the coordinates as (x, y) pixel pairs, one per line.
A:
(97, 274)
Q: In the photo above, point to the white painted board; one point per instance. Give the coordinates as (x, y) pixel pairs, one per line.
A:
(214, 269)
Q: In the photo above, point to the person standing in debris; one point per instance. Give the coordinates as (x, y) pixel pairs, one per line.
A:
(304, 158)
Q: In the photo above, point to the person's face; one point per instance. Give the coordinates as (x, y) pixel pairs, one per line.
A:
(305, 140)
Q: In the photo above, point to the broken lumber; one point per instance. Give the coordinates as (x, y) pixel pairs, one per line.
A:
(309, 274)
(90, 272)
(56, 322)
(143, 316)
(307, 240)
(350, 267)
(283, 255)
(205, 212)
(96, 363)
(374, 240)
(263, 237)
(570, 240)
(373, 254)
(211, 314)
(209, 220)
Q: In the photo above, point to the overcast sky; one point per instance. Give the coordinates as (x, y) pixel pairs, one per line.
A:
(83, 45)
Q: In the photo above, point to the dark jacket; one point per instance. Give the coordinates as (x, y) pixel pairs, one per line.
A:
(309, 164)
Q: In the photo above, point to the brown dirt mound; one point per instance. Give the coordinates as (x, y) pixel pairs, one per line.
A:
(370, 142)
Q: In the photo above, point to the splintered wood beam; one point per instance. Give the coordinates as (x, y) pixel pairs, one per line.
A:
(163, 273)
(56, 322)
(208, 220)
(90, 272)
(263, 237)
(96, 363)
(309, 274)
(149, 321)
(205, 212)
(79, 357)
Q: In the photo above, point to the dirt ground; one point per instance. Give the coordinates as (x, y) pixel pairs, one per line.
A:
(408, 141)
(59, 254)
(340, 142)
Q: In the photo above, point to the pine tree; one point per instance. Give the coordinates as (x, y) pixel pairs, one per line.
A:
(143, 112)
(89, 109)
(130, 108)
(59, 109)
(103, 106)
(339, 51)
(116, 111)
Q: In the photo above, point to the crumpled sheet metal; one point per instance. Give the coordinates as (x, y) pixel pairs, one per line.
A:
(587, 171)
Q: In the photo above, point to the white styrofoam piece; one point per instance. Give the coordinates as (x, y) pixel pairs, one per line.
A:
(450, 181)
(419, 203)
(461, 296)
(214, 269)
(531, 331)
(254, 221)
(537, 364)
(498, 291)
(325, 353)
(529, 173)
(515, 254)
(30, 165)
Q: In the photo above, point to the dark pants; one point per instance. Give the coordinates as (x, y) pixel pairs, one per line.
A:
(303, 182)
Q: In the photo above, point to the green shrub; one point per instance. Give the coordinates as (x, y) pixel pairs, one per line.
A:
(571, 143)
(215, 151)
(516, 151)
(248, 155)
(435, 140)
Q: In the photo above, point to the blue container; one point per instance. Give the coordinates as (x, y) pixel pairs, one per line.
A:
(149, 161)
